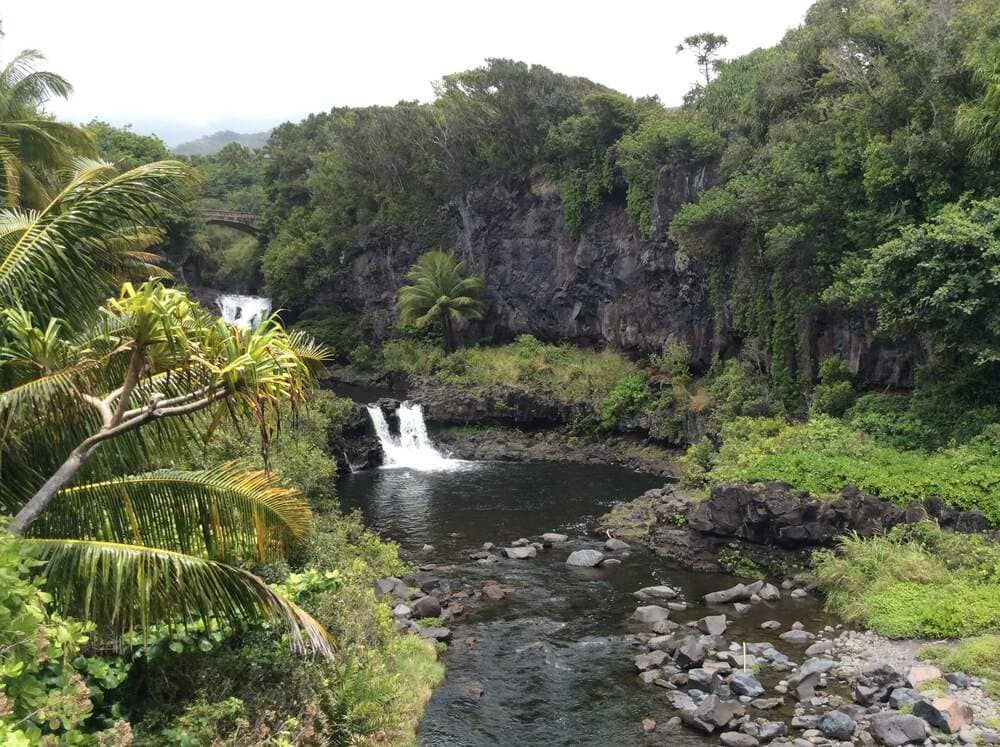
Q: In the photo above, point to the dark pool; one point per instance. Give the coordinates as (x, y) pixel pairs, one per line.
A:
(553, 661)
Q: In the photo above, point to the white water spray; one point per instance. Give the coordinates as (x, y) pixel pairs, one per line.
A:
(244, 311)
(412, 448)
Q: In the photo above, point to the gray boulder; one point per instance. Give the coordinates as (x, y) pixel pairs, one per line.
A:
(712, 624)
(837, 725)
(712, 713)
(648, 593)
(616, 545)
(896, 729)
(805, 680)
(520, 553)
(769, 730)
(736, 593)
(584, 558)
(901, 697)
(426, 607)
(875, 683)
(745, 683)
(692, 651)
(391, 585)
(958, 679)
(800, 637)
(769, 593)
(737, 739)
(554, 538)
(649, 660)
(704, 679)
(650, 614)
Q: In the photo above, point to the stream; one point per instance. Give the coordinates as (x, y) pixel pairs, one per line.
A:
(552, 663)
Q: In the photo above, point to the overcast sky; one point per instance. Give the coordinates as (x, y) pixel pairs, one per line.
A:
(186, 68)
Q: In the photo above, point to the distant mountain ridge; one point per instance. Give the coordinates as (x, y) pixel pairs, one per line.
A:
(208, 145)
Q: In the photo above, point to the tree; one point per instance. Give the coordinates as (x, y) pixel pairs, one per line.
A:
(91, 392)
(705, 46)
(32, 146)
(439, 289)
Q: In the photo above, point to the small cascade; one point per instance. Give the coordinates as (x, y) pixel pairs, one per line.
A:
(244, 311)
(412, 448)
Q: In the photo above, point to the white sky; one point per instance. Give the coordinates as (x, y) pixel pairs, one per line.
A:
(187, 68)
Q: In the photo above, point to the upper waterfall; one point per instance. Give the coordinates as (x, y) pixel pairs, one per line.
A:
(245, 311)
(412, 448)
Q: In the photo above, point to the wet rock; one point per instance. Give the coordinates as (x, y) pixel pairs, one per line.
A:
(799, 637)
(584, 558)
(648, 725)
(520, 553)
(736, 593)
(745, 683)
(820, 647)
(427, 549)
(958, 679)
(808, 677)
(554, 538)
(799, 594)
(736, 739)
(692, 651)
(648, 593)
(610, 563)
(805, 722)
(896, 729)
(681, 701)
(650, 676)
(770, 625)
(901, 697)
(704, 679)
(426, 607)
(837, 725)
(768, 730)
(919, 673)
(740, 607)
(616, 545)
(712, 625)
(391, 586)
(769, 593)
(650, 614)
(488, 545)
(401, 610)
(521, 542)
(434, 633)
(766, 704)
(712, 713)
(649, 660)
(495, 591)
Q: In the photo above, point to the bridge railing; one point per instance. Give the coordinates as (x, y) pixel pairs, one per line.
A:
(230, 216)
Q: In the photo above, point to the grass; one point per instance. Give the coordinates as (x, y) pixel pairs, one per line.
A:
(561, 372)
(915, 582)
(979, 657)
(824, 454)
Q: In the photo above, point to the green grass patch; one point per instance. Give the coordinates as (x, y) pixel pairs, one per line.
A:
(979, 657)
(914, 582)
(561, 372)
(824, 454)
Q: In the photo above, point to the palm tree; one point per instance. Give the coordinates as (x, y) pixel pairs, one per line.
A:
(439, 289)
(32, 146)
(89, 391)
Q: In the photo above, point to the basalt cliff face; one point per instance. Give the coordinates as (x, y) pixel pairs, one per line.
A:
(607, 287)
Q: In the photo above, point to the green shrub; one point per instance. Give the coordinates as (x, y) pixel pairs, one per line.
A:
(675, 361)
(835, 392)
(626, 398)
(916, 581)
(737, 389)
(364, 357)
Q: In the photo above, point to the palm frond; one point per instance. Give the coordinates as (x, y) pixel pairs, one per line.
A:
(129, 588)
(224, 513)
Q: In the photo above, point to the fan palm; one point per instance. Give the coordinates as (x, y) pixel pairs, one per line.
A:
(32, 146)
(439, 289)
(90, 391)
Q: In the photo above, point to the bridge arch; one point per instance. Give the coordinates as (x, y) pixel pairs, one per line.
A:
(246, 222)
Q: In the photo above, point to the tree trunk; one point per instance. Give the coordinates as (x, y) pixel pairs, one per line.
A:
(33, 508)
(449, 333)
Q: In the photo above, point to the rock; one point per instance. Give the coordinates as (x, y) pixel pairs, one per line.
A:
(712, 625)
(520, 553)
(766, 704)
(875, 683)
(769, 593)
(401, 610)
(427, 549)
(820, 647)
(799, 594)
(740, 607)
(650, 676)
(704, 679)
(426, 607)
(648, 725)
(616, 545)
(837, 725)
(900, 697)
(391, 585)
(650, 614)
(610, 562)
(736, 593)
(680, 701)
(712, 713)
(799, 637)
(921, 673)
(649, 660)
(521, 542)
(496, 591)
(584, 558)
(435, 633)
(745, 683)
(770, 625)
(895, 729)
(805, 680)
(648, 593)
(946, 714)
(736, 739)
(769, 730)
(691, 651)
(958, 679)
(805, 722)
(488, 546)
(554, 538)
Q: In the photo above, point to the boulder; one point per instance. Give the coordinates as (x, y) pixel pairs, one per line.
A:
(837, 725)
(391, 585)
(650, 614)
(900, 697)
(769, 593)
(946, 714)
(800, 637)
(798, 594)
(521, 542)
(520, 553)
(435, 633)
(875, 683)
(426, 607)
(958, 679)
(766, 704)
(401, 610)
(820, 647)
(648, 593)
(738, 739)
(896, 729)
(805, 680)
(745, 683)
(680, 701)
(736, 593)
(769, 730)
(616, 545)
(704, 679)
(610, 562)
(495, 591)
(648, 725)
(649, 660)
(554, 538)
(584, 558)
(712, 713)
(712, 625)
(770, 625)
(919, 673)
(692, 651)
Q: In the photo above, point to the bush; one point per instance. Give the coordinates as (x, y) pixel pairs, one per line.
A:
(675, 361)
(835, 392)
(916, 581)
(628, 396)
(737, 389)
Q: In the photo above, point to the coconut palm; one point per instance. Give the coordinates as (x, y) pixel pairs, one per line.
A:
(440, 289)
(32, 146)
(90, 392)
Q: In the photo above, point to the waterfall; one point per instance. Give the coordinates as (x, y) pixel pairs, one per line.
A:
(412, 448)
(245, 311)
